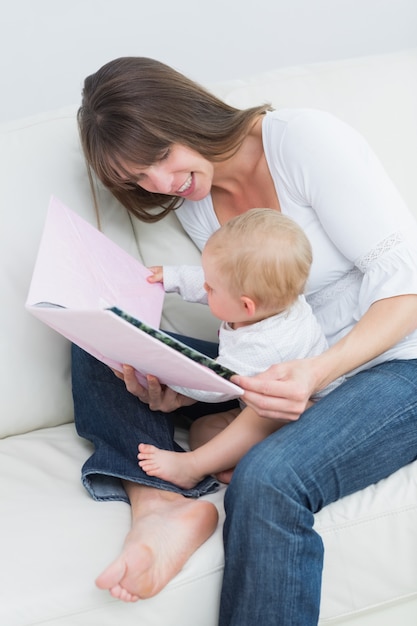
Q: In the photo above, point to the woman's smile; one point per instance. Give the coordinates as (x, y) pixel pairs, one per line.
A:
(182, 172)
(188, 187)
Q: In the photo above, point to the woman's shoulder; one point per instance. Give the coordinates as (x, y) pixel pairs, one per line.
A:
(296, 139)
(302, 122)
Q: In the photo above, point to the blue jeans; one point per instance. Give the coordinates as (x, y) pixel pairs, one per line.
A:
(360, 433)
(115, 422)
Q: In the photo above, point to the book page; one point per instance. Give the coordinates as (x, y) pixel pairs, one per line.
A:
(78, 267)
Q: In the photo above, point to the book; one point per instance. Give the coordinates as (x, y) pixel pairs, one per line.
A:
(91, 291)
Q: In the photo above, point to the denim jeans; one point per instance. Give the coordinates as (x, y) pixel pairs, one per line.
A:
(360, 433)
(115, 422)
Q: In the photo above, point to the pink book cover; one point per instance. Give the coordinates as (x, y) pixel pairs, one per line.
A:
(95, 294)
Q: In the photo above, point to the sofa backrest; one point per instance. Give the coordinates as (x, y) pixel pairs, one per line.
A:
(41, 156)
(377, 95)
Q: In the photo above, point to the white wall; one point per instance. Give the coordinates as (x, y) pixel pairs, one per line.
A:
(47, 47)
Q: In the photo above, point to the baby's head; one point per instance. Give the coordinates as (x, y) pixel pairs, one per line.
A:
(263, 255)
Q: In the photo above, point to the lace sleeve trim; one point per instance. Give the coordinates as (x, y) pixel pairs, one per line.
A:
(333, 291)
(363, 263)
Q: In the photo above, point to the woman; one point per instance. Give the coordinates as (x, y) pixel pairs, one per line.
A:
(154, 138)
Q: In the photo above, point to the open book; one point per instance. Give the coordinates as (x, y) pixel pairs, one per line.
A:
(96, 295)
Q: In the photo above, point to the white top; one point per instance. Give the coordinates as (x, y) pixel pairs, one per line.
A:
(364, 238)
(292, 334)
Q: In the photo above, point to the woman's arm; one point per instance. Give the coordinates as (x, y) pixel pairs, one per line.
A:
(283, 390)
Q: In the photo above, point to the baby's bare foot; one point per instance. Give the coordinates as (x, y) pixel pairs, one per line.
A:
(176, 467)
(166, 530)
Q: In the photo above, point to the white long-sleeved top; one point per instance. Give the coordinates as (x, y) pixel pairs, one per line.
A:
(364, 238)
(292, 334)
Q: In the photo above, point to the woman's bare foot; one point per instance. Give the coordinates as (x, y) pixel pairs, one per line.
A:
(176, 467)
(166, 530)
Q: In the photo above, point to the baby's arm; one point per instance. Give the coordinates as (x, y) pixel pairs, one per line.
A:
(187, 280)
(157, 276)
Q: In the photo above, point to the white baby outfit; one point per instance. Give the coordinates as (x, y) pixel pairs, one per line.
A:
(292, 334)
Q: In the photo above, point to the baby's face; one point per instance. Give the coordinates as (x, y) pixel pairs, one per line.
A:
(224, 305)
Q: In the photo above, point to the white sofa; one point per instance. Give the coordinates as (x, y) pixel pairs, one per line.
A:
(54, 539)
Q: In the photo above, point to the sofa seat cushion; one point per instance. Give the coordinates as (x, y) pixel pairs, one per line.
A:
(358, 574)
(48, 519)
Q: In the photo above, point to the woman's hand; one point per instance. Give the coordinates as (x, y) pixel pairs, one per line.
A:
(158, 397)
(282, 392)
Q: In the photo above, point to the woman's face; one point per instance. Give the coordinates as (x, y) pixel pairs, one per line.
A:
(180, 172)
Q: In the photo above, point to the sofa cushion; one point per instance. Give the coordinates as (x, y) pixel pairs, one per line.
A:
(55, 540)
(40, 157)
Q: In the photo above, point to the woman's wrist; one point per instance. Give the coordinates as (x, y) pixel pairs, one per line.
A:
(327, 367)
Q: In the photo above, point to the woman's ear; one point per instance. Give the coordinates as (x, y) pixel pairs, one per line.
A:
(249, 305)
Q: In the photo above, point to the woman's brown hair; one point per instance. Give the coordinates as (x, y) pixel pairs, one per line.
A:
(134, 108)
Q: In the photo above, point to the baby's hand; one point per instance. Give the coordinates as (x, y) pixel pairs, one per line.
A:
(157, 274)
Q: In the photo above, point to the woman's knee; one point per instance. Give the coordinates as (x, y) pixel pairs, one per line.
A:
(266, 468)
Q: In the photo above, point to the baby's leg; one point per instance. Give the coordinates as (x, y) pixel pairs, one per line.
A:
(220, 453)
(206, 427)
(180, 467)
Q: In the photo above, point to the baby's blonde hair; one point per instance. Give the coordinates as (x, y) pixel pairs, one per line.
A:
(263, 255)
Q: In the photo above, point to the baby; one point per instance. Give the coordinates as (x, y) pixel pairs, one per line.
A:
(254, 270)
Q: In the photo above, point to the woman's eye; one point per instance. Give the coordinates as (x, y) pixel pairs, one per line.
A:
(165, 154)
(129, 184)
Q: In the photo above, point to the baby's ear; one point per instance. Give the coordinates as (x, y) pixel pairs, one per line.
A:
(249, 305)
